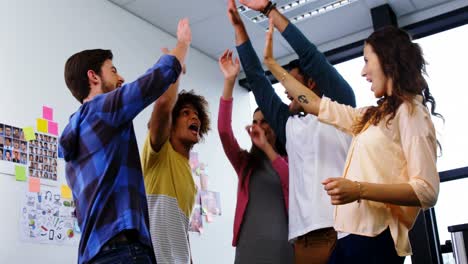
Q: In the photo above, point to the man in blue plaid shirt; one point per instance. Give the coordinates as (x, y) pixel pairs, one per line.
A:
(103, 166)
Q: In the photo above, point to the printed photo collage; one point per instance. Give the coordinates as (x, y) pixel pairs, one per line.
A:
(43, 157)
(13, 146)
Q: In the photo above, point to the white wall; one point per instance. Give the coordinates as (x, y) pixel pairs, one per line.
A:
(36, 39)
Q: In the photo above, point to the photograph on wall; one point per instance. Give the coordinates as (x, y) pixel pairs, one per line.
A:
(196, 222)
(199, 173)
(43, 157)
(13, 146)
(210, 202)
(46, 217)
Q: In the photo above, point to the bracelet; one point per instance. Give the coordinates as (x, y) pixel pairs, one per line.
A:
(360, 191)
(268, 8)
(283, 77)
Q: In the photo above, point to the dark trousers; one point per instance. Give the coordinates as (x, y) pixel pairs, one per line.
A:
(366, 250)
(124, 252)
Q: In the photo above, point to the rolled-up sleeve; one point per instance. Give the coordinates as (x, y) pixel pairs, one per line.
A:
(419, 144)
(339, 115)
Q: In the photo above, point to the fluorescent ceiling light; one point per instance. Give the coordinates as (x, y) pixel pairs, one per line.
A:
(295, 10)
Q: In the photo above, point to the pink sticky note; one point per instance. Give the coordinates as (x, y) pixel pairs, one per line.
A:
(34, 184)
(53, 128)
(47, 113)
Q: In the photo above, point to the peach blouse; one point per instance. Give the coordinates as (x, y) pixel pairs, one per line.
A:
(404, 151)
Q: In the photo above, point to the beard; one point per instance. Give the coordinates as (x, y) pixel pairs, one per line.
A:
(107, 87)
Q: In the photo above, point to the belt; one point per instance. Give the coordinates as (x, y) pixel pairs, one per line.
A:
(316, 232)
(123, 238)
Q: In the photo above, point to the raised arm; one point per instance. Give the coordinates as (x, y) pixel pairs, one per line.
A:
(312, 61)
(123, 104)
(230, 69)
(161, 118)
(275, 111)
(308, 99)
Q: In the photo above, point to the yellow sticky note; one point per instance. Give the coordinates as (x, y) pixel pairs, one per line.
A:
(29, 133)
(42, 125)
(20, 173)
(66, 192)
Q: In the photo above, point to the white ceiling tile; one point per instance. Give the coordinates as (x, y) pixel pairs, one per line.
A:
(212, 32)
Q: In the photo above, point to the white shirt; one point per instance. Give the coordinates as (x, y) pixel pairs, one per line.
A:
(316, 151)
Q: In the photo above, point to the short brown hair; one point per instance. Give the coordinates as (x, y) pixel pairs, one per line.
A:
(76, 70)
(199, 103)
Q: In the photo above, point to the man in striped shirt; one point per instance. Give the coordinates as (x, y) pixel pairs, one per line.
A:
(103, 168)
(177, 123)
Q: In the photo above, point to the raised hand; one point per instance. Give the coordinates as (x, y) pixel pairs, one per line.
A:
(257, 134)
(233, 14)
(341, 190)
(257, 5)
(228, 65)
(167, 51)
(184, 34)
(268, 52)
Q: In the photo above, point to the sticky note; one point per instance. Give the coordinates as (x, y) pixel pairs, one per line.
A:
(53, 128)
(42, 125)
(34, 184)
(47, 113)
(66, 192)
(29, 133)
(20, 173)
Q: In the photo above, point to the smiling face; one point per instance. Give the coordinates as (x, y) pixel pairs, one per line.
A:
(374, 74)
(186, 128)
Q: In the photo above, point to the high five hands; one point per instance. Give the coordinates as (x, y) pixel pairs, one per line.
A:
(257, 5)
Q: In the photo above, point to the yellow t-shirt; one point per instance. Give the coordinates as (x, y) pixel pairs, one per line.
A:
(171, 192)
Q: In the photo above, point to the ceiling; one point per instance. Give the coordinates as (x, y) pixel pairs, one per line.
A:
(212, 33)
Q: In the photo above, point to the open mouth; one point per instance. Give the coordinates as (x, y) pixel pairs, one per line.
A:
(194, 128)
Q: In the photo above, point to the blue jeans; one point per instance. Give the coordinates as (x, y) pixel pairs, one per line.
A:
(130, 252)
(366, 250)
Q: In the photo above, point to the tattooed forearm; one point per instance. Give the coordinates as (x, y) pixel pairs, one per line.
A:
(302, 99)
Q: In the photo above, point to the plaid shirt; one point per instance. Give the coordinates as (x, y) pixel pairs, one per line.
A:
(103, 165)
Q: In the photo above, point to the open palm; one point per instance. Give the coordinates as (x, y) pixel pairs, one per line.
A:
(229, 66)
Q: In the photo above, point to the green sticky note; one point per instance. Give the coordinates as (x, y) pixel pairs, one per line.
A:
(20, 173)
(29, 133)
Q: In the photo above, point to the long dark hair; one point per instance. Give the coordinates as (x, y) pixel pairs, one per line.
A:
(255, 155)
(403, 62)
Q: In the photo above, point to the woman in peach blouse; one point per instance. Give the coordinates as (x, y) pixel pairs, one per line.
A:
(390, 172)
